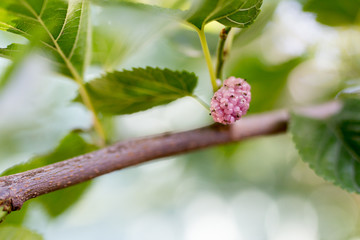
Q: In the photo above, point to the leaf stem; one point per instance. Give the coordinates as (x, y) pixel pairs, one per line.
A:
(84, 95)
(87, 101)
(79, 80)
(221, 52)
(202, 102)
(207, 55)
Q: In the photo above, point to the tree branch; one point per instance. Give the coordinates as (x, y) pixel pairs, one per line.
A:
(18, 188)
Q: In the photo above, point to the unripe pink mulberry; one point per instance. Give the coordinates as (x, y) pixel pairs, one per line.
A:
(231, 101)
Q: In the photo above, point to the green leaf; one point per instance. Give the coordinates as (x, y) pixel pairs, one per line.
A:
(331, 146)
(244, 16)
(70, 146)
(236, 13)
(248, 35)
(18, 233)
(3, 214)
(108, 49)
(140, 89)
(335, 12)
(16, 52)
(141, 6)
(61, 27)
(111, 47)
(57, 202)
(11, 50)
(16, 217)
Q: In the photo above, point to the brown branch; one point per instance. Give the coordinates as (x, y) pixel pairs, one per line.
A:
(18, 188)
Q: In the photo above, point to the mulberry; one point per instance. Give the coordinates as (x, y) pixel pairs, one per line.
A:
(231, 101)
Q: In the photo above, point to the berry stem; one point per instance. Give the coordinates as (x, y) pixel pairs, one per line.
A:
(202, 102)
(207, 55)
(221, 52)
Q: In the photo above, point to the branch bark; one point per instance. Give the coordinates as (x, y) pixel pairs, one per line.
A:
(18, 188)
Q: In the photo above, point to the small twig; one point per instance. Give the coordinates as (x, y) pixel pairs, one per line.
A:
(221, 52)
(18, 188)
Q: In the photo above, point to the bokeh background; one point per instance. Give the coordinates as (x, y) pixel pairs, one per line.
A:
(257, 189)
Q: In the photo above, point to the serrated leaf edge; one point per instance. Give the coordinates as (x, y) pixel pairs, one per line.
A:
(312, 165)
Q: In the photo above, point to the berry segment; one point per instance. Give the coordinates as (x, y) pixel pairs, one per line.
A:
(231, 101)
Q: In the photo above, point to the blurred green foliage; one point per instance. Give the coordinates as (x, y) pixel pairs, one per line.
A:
(268, 82)
(126, 35)
(331, 146)
(57, 202)
(15, 233)
(335, 12)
